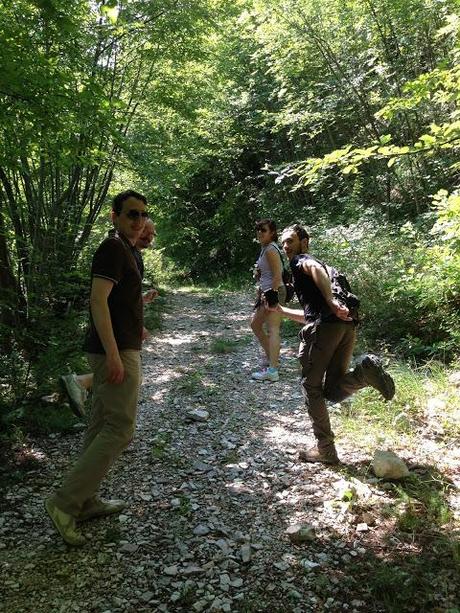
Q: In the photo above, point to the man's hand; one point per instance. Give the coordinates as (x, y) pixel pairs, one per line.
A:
(145, 334)
(340, 310)
(149, 296)
(115, 369)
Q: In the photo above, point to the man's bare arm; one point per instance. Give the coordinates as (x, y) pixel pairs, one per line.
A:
(100, 291)
(323, 283)
(293, 314)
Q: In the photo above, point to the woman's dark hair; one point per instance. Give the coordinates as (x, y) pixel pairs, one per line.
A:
(117, 203)
(270, 224)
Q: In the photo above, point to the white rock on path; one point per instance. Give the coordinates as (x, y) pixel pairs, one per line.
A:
(387, 465)
(198, 415)
(300, 533)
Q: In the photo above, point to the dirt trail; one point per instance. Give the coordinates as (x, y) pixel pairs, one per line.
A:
(209, 501)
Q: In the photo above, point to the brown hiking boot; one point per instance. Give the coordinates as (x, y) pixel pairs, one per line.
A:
(374, 375)
(325, 456)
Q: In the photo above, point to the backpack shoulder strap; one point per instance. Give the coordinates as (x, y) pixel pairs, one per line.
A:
(283, 261)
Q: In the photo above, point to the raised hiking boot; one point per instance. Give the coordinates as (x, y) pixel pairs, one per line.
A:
(374, 375)
(324, 456)
(64, 524)
(100, 508)
(267, 374)
(75, 393)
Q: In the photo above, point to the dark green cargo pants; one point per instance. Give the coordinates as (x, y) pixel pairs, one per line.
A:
(325, 352)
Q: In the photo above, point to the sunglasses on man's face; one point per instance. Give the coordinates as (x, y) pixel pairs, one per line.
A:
(135, 214)
(262, 230)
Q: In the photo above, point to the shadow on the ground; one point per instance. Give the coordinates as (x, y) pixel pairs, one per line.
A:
(406, 562)
(237, 474)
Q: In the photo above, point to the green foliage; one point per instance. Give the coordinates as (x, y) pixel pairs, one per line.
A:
(378, 423)
(295, 91)
(161, 270)
(432, 282)
(224, 345)
(190, 382)
(74, 77)
(50, 347)
(185, 507)
(153, 312)
(37, 418)
(411, 582)
(424, 504)
(289, 328)
(392, 586)
(160, 446)
(419, 116)
(408, 278)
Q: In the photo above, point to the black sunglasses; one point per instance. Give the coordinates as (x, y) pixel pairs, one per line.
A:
(263, 230)
(134, 214)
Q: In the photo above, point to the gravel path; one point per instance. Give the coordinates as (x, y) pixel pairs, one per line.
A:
(213, 482)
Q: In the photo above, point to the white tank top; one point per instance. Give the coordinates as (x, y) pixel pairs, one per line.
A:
(266, 275)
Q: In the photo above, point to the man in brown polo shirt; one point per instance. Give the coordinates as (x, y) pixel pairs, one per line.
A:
(76, 387)
(113, 346)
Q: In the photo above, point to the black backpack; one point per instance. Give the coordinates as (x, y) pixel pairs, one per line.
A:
(341, 290)
(286, 275)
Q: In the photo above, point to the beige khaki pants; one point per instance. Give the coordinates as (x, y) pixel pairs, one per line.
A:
(111, 428)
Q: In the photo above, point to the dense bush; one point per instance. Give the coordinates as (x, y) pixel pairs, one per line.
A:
(408, 277)
(51, 345)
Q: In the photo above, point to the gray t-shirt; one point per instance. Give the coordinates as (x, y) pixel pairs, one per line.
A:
(266, 275)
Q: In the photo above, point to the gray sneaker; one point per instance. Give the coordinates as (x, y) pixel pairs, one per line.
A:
(374, 375)
(100, 508)
(75, 393)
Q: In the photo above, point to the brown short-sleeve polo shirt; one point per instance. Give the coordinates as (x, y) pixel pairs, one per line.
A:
(115, 260)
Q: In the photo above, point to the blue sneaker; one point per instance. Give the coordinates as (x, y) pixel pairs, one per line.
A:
(268, 374)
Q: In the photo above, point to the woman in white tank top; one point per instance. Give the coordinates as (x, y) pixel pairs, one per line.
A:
(266, 324)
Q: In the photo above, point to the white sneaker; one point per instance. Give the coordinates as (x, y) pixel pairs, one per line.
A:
(268, 374)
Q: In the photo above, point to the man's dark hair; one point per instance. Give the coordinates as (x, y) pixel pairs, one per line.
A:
(300, 230)
(117, 203)
(270, 224)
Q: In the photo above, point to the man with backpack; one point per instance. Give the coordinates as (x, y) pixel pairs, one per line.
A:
(327, 339)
